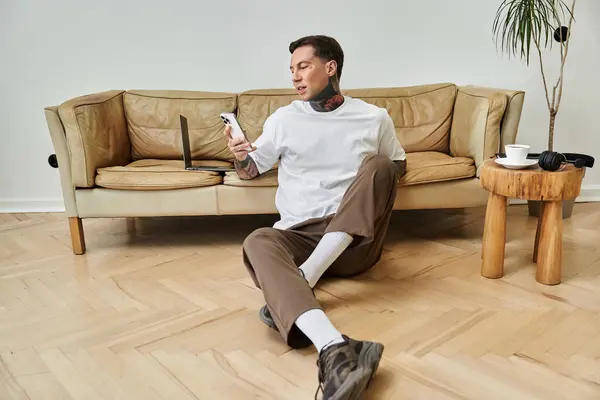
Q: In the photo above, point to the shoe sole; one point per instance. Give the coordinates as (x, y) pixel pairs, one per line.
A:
(358, 381)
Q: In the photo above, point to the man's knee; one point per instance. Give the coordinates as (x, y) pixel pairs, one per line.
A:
(259, 238)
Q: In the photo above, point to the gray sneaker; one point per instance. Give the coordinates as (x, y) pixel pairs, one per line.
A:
(346, 369)
(266, 317)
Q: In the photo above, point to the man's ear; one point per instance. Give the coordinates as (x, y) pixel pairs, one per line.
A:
(331, 67)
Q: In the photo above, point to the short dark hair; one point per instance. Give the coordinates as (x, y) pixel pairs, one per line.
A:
(326, 48)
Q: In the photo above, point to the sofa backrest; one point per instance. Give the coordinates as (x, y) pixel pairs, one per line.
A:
(154, 126)
(422, 115)
(255, 106)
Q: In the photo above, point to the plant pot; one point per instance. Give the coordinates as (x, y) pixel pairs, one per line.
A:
(534, 208)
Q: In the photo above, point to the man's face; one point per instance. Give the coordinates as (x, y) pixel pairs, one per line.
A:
(310, 75)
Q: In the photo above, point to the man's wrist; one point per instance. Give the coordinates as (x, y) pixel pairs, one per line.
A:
(246, 168)
(244, 163)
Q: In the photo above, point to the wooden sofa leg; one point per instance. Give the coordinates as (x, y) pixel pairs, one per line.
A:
(77, 237)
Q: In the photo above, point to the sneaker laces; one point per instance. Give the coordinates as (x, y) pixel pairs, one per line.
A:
(321, 377)
(324, 361)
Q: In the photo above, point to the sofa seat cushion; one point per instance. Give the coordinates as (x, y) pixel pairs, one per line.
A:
(431, 166)
(422, 167)
(153, 174)
(268, 179)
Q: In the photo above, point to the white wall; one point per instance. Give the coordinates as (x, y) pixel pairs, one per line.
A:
(52, 51)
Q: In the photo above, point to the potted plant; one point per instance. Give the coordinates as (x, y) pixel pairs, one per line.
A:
(519, 24)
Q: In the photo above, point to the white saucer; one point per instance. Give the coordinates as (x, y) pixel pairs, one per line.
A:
(506, 163)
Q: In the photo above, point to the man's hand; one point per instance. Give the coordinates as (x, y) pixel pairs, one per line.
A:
(244, 164)
(240, 147)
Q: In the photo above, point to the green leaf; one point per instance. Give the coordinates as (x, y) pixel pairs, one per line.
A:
(520, 23)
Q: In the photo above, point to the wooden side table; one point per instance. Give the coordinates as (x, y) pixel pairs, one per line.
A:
(551, 188)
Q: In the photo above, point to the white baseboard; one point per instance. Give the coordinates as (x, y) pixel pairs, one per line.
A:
(589, 194)
(31, 206)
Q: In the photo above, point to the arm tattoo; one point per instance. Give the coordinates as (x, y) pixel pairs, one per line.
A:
(246, 168)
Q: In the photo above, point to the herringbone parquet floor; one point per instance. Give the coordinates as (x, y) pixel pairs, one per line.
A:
(163, 309)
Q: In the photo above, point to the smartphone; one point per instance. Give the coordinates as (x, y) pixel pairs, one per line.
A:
(236, 129)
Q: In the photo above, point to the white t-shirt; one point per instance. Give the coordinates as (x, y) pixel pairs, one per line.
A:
(320, 153)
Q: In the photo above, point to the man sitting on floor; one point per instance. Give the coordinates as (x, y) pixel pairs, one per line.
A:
(339, 161)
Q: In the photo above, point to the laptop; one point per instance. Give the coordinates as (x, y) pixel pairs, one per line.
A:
(187, 154)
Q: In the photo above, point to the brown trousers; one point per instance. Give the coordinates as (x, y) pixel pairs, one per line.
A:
(273, 256)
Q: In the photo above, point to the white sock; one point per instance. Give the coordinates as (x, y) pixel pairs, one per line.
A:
(318, 328)
(329, 248)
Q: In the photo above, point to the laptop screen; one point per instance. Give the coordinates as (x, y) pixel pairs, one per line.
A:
(185, 141)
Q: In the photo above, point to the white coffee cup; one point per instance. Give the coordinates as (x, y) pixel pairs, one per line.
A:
(516, 153)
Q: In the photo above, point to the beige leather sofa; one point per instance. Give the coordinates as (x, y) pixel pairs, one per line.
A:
(119, 152)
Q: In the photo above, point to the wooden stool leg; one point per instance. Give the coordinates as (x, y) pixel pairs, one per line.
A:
(537, 233)
(494, 237)
(549, 257)
(77, 237)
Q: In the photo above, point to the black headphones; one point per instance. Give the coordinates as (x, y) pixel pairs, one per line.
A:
(552, 161)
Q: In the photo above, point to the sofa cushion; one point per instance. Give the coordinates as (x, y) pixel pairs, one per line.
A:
(421, 167)
(422, 114)
(151, 174)
(154, 126)
(268, 179)
(255, 106)
(431, 166)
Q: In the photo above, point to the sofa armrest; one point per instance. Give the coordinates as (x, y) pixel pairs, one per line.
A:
(59, 141)
(96, 133)
(485, 119)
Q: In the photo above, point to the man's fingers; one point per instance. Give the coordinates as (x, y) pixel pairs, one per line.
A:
(241, 147)
(227, 131)
(237, 145)
(237, 141)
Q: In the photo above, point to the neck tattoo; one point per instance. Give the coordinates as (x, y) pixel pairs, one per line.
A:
(329, 99)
